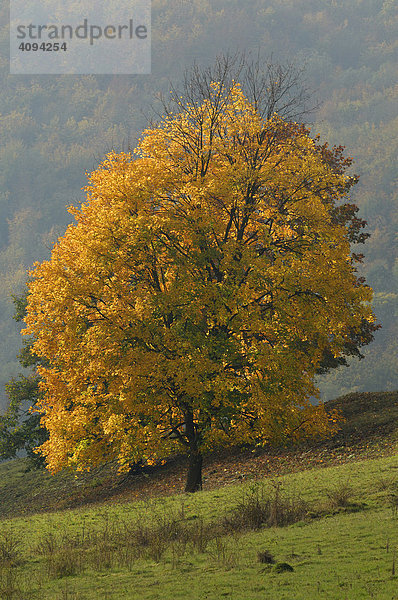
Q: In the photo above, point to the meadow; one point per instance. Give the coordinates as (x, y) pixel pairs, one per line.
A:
(319, 532)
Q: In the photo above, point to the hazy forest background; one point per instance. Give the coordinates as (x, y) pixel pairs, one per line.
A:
(53, 129)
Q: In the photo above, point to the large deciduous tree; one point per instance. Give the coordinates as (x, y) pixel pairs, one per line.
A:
(207, 279)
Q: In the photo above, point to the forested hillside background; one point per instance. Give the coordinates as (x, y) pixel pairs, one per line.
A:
(53, 129)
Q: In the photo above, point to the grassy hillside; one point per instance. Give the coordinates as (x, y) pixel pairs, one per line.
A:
(321, 533)
(370, 430)
(269, 525)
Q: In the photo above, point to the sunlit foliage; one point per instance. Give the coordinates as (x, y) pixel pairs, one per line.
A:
(192, 302)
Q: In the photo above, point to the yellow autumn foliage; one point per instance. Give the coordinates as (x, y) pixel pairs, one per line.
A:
(201, 283)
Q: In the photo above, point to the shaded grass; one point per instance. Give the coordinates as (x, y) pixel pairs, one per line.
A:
(24, 491)
(368, 416)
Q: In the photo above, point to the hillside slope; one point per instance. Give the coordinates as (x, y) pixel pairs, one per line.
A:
(370, 430)
(319, 533)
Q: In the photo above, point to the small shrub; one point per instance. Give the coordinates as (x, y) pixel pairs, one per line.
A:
(265, 557)
(157, 546)
(10, 554)
(384, 484)
(48, 545)
(101, 555)
(257, 510)
(15, 587)
(152, 540)
(9, 590)
(340, 496)
(64, 563)
(223, 553)
(393, 501)
(62, 554)
(199, 535)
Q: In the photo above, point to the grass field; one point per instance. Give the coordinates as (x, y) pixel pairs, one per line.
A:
(314, 533)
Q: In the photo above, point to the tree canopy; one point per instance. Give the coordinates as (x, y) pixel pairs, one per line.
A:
(207, 276)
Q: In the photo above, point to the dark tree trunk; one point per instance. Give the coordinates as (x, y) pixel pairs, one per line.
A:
(194, 475)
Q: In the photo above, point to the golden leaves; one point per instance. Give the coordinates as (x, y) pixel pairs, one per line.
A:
(204, 271)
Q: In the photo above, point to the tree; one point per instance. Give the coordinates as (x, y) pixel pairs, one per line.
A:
(208, 277)
(20, 429)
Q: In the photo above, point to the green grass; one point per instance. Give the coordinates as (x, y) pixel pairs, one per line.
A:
(370, 430)
(345, 548)
(78, 538)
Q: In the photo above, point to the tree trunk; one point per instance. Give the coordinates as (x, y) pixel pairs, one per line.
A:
(194, 475)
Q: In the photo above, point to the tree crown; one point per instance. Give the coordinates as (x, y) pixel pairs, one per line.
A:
(194, 299)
